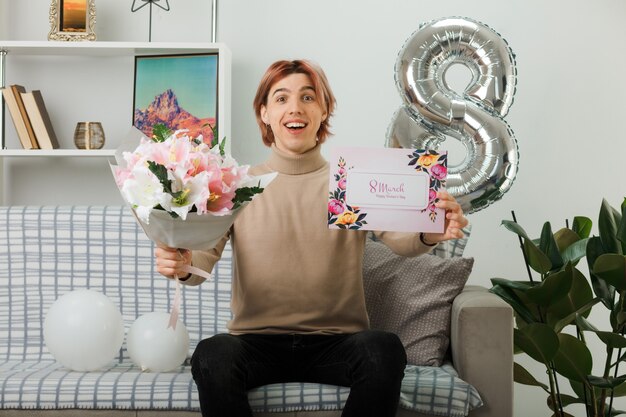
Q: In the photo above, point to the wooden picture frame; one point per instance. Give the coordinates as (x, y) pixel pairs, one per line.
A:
(72, 20)
(179, 91)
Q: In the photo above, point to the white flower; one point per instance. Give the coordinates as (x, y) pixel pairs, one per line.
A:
(195, 191)
(143, 191)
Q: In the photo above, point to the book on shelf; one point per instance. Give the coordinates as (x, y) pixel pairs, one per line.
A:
(40, 120)
(17, 117)
(17, 93)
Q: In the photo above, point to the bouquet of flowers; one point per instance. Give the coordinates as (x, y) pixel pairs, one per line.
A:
(184, 192)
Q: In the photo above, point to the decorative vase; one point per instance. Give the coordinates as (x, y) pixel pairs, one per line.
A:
(89, 135)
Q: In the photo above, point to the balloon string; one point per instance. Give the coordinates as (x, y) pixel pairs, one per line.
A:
(175, 306)
(197, 271)
(175, 312)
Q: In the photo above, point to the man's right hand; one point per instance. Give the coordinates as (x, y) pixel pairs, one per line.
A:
(171, 261)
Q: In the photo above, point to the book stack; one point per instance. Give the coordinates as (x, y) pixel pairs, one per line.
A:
(30, 118)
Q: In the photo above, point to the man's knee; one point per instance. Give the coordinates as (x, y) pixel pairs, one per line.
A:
(215, 356)
(383, 351)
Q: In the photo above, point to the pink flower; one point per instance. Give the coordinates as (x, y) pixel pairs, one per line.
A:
(342, 184)
(341, 171)
(121, 175)
(432, 194)
(439, 171)
(220, 195)
(335, 206)
(233, 175)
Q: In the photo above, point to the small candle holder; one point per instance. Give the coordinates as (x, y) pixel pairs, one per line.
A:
(135, 7)
(89, 135)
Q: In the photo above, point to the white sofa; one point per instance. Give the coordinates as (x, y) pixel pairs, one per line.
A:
(47, 251)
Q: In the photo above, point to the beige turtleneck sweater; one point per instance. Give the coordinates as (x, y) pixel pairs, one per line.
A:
(292, 274)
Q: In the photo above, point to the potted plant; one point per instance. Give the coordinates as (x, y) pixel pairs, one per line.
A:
(551, 310)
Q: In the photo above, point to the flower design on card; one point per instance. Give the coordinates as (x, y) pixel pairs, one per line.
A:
(340, 213)
(436, 166)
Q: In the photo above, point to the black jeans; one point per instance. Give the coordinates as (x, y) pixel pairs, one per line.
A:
(371, 363)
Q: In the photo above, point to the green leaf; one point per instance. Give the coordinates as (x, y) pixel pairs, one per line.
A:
(582, 226)
(606, 383)
(568, 400)
(160, 172)
(608, 221)
(565, 401)
(160, 132)
(223, 147)
(511, 298)
(621, 317)
(611, 268)
(553, 288)
(575, 252)
(215, 140)
(565, 237)
(515, 228)
(244, 194)
(579, 295)
(610, 339)
(621, 230)
(585, 324)
(538, 340)
(522, 376)
(573, 359)
(620, 390)
(571, 318)
(548, 245)
(518, 285)
(600, 287)
(580, 389)
(536, 259)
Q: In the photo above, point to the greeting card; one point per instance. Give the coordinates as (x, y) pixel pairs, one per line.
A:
(386, 189)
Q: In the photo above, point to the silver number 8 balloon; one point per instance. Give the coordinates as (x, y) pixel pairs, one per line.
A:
(432, 111)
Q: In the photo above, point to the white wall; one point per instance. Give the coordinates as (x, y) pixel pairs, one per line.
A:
(4, 19)
(566, 116)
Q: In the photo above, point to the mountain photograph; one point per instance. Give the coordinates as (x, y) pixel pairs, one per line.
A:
(165, 109)
(179, 91)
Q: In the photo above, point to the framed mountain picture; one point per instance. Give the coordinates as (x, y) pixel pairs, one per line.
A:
(179, 91)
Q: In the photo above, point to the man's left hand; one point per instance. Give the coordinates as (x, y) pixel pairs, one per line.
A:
(455, 219)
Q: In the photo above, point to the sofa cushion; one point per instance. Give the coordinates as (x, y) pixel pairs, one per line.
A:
(412, 297)
(47, 385)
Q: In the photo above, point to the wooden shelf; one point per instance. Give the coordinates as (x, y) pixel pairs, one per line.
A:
(58, 152)
(43, 48)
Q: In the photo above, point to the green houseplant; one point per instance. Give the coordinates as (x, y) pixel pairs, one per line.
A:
(551, 310)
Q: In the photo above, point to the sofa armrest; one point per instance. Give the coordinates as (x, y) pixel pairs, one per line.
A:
(482, 348)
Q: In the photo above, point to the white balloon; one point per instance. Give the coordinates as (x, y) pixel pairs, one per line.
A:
(83, 330)
(153, 346)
